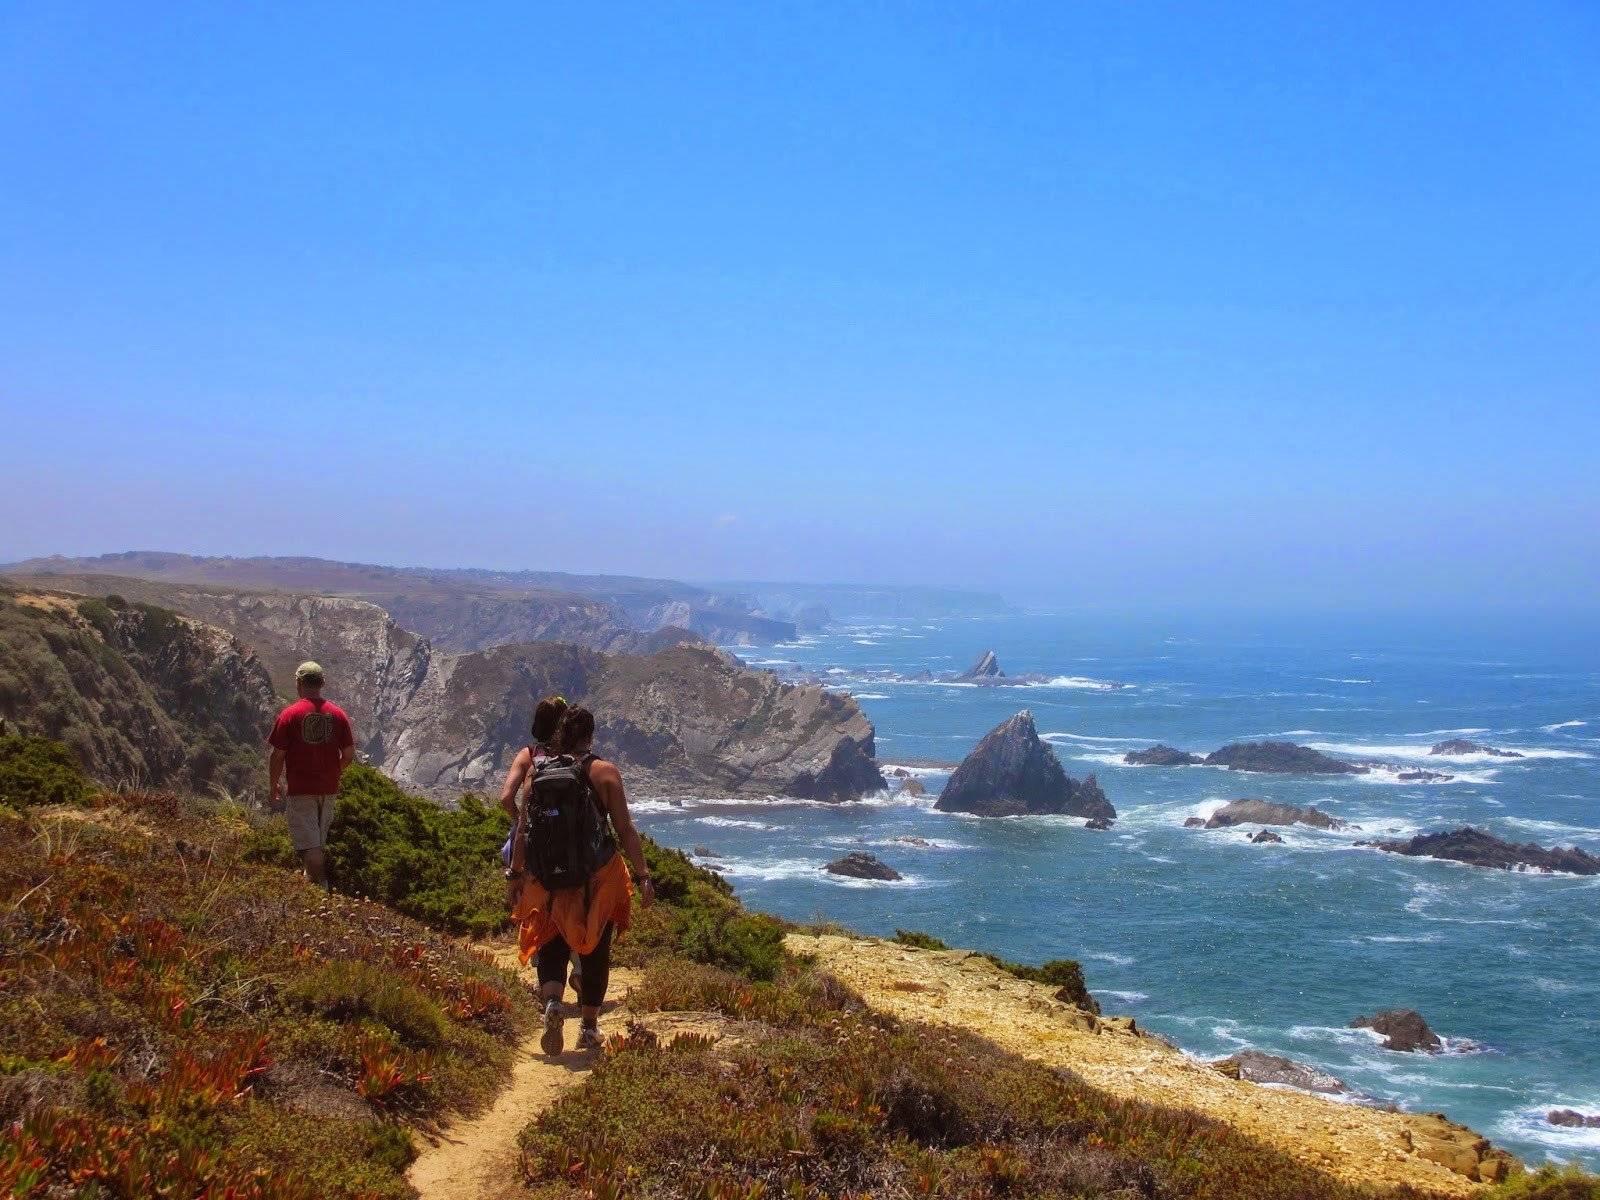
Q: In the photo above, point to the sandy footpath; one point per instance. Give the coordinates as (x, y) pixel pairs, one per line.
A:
(1364, 1146)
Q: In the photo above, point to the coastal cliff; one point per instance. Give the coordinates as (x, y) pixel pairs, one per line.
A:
(1365, 1147)
(683, 719)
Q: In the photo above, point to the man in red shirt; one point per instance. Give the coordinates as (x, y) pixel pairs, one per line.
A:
(313, 739)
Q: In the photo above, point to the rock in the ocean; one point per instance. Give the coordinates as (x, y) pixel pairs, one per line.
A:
(1573, 1119)
(912, 786)
(1161, 756)
(1462, 746)
(1097, 823)
(1265, 812)
(704, 852)
(987, 667)
(860, 865)
(1402, 1029)
(1011, 772)
(1265, 836)
(1194, 823)
(1479, 849)
(912, 840)
(1421, 776)
(1284, 758)
(1258, 1067)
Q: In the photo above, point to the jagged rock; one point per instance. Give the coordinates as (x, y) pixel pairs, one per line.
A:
(704, 852)
(1097, 823)
(1194, 823)
(912, 840)
(900, 773)
(987, 667)
(1012, 772)
(860, 865)
(1259, 1067)
(1280, 758)
(1161, 756)
(1463, 746)
(1572, 1118)
(1265, 812)
(1402, 1029)
(1422, 776)
(1479, 849)
(912, 786)
(1265, 836)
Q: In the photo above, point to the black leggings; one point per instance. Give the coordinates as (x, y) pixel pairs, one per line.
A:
(594, 967)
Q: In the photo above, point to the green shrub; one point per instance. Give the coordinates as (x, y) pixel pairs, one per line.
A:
(436, 864)
(346, 990)
(39, 771)
(750, 944)
(98, 613)
(922, 941)
(1549, 1183)
(269, 843)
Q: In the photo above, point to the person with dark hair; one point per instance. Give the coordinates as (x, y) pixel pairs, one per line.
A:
(575, 892)
(547, 716)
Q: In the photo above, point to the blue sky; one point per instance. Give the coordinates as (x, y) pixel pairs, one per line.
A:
(1119, 304)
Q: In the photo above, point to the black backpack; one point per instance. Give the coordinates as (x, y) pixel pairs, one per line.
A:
(566, 839)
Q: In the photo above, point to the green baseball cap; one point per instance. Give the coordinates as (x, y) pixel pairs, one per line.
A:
(308, 670)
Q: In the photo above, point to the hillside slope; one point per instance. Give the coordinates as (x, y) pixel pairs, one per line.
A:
(140, 694)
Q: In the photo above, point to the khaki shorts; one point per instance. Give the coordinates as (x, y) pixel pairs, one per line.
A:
(309, 819)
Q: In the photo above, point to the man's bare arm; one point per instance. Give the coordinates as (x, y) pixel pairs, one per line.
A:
(275, 778)
(346, 757)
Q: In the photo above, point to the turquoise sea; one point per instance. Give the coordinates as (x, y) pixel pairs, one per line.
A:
(1209, 940)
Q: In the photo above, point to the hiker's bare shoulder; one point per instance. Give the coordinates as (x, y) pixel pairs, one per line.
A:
(602, 771)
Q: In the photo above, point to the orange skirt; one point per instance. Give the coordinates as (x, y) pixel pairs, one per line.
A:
(545, 915)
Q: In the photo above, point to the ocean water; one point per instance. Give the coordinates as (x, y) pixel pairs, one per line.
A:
(1211, 941)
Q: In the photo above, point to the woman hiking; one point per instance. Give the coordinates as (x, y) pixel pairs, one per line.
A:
(576, 892)
(547, 716)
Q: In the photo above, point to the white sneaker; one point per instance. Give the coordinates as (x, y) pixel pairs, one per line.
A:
(589, 1038)
(554, 1040)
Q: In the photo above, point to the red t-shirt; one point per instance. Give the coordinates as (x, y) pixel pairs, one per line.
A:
(311, 733)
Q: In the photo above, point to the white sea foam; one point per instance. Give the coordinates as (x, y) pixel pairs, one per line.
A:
(1084, 737)
(1399, 940)
(1125, 997)
(1553, 828)
(870, 695)
(1326, 679)
(1121, 960)
(1104, 757)
(734, 823)
(920, 772)
(776, 870)
(1533, 1125)
(1562, 725)
(1416, 752)
(1079, 682)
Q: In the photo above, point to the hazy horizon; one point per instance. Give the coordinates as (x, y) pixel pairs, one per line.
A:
(1115, 308)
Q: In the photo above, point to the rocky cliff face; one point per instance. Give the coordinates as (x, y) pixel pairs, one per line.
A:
(1012, 772)
(143, 696)
(686, 718)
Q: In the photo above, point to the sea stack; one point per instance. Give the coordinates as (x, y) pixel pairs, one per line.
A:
(1011, 772)
(1280, 757)
(987, 667)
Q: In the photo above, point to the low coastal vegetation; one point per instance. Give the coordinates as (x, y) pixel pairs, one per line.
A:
(177, 1019)
(182, 1015)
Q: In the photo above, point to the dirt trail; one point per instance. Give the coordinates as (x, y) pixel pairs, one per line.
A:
(476, 1158)
(1364, 1146)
